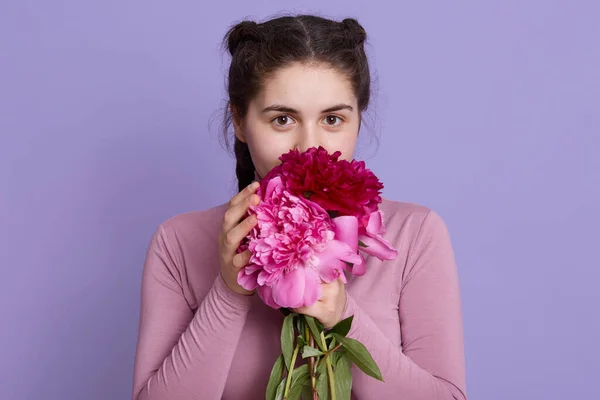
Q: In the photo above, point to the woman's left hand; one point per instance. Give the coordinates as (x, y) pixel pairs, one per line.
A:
(328, 309)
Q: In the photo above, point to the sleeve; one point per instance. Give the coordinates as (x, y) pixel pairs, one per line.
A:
(430, 363)
(181, 354)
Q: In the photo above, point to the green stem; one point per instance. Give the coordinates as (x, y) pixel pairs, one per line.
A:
(306, 331)
(313, 380)
(337, 346)
(329, 369)
(289, 377)
(329, 353)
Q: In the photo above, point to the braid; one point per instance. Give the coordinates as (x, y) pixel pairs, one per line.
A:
(244, 168)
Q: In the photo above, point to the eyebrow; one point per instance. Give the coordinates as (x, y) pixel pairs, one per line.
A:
(281, 108)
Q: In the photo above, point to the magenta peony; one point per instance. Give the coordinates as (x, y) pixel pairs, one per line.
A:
(339, 186)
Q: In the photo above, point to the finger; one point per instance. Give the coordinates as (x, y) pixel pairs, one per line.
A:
(310, 311)
(240, 260)
(234, 214)
(330, 289)
(235, 235)
(248, 190)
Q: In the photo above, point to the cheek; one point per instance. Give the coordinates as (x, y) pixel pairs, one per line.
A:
(348, 149)
(345, 142)
(265, 151)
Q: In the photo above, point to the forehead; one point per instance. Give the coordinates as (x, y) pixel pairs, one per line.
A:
(307, 87)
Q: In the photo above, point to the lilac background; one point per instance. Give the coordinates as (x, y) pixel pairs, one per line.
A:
(489, 112)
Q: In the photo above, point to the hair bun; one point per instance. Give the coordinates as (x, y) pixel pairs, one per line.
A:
(355, 30)
(245, 31)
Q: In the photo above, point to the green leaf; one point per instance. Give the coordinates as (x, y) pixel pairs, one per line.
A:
(280, 390)
(275, 378)
(287, 340)
(300, 373)
(361, 244)
(300, 377)
(335, 356)
(360, 356)
(331, 343)
(320, 326)
(314, 329)
(321, 367)
(343, 377)
(323, 386)
(308, 351)
(307, 391)
(343, 327)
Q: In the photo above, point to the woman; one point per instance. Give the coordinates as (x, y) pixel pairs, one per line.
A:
(295, 82)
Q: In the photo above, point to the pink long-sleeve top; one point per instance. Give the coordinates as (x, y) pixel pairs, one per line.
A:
(199, 340)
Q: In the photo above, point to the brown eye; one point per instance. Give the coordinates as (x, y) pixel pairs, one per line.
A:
(332, 120)
(282, 120)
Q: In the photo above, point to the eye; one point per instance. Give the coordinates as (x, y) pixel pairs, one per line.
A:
(332, 120)
(282, 120)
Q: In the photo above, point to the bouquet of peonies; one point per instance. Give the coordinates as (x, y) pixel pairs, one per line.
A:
(317, 217)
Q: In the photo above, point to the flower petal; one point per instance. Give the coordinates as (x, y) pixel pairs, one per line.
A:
(247, 280)
(271, 185)
(375, 225)
(266, 294)
(332, 260)
(346, 230)
(288, 291)
(378, 247)
(315, 205)
(312, 290)
(337, 250)
(333, 270)
(359, 268)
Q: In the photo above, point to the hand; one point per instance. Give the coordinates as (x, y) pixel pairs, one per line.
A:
(233, 231)
(329, 308)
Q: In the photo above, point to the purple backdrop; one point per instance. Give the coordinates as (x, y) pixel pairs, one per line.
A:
(488, 112)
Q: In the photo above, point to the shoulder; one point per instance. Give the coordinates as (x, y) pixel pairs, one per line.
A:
(412, 223)
(403, 210)
(410, 215)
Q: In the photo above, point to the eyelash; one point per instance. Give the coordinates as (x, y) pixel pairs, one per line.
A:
(340, 119)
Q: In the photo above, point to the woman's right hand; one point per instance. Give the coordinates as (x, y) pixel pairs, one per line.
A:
(233, 231)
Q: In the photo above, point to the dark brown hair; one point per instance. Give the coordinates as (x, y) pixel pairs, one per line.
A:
(259, 49)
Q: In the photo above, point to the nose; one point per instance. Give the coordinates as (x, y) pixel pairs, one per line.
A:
(308, 136)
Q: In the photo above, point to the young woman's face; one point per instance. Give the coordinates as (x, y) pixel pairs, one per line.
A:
(300, 106)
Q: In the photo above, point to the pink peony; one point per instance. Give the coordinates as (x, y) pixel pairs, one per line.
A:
(293, 249)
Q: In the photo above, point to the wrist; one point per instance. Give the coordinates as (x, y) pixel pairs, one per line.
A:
(235, 287)
(351, 309)
(339, 310)
(234, 301)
